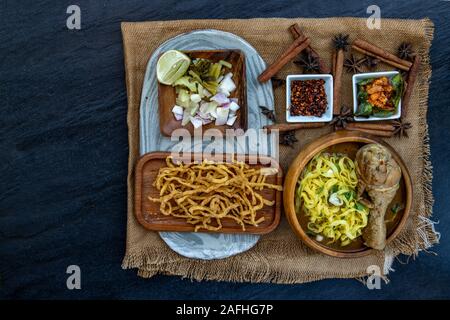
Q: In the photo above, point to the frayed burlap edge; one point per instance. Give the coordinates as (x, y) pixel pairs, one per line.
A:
(425, 234)
(258, 271)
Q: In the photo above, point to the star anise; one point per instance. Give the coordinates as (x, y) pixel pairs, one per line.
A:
(277, 82)
(341, 41)
(405, 51)
(353, 64)
(371, 62)
(401, 128)
(268, 113)
(288, 138)
(308, 62)
(340, 121)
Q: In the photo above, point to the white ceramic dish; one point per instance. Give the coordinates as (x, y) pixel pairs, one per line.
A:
(328, 115)
(361, 76)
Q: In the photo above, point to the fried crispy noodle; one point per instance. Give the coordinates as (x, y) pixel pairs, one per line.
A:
(205, 193)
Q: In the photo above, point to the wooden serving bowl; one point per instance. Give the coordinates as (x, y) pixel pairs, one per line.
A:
(347, 142)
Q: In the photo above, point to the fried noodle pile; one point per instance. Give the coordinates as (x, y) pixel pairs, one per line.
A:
(207, 192)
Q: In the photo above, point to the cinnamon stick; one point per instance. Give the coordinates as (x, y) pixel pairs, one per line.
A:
(371, 126)
(380, 133)
(282, 127)
(294, 49)
(392, 63)
(297, 33)
(412, 76)
(333, 62)
(337, 78)
(379, 53)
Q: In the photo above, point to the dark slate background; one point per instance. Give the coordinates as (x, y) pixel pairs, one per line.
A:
(63, 151)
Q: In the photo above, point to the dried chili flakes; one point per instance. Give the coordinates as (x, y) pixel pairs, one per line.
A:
(308, 98)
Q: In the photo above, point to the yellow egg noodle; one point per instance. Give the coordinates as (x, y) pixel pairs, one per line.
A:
(326, 192)
(204, 193)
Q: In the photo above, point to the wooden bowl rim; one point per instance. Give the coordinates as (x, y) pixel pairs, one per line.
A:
(297, 166)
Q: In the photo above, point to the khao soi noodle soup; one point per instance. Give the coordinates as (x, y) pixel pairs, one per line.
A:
(326, 193)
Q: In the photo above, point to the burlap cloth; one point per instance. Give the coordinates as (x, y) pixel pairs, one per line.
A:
(280, 256)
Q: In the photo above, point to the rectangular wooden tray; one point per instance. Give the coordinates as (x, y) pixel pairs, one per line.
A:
(148, 214)
(167, 94)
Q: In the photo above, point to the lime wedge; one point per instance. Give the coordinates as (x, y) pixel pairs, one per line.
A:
(171, 66)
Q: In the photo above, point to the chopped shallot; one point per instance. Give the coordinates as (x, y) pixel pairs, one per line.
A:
(220, 98)
(231, 120)
(197, 122)
(233, 106)
(177, 110)
(222, 116)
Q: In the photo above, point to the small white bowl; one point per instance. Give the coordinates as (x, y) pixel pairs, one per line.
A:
(328, 115)
(361, 76)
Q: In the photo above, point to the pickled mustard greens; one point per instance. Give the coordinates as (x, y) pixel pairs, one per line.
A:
(326, 192)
